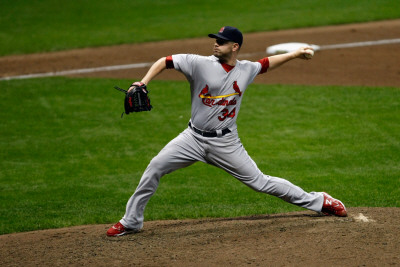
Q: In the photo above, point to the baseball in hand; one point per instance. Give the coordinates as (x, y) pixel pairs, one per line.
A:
(309, 53)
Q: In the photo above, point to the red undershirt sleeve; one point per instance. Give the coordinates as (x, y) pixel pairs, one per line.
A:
(169, 62)
(264, 65)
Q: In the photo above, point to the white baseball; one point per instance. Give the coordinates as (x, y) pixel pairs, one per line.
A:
(309, 53)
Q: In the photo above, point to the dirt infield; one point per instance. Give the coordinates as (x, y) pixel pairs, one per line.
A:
(368, 65)
(368, 237)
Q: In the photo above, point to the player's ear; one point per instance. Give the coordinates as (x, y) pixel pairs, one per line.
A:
(235, 47)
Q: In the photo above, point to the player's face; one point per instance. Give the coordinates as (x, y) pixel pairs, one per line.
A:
(223, 49)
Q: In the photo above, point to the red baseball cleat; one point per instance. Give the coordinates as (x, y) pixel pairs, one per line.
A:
(333, 206)
(118, 230)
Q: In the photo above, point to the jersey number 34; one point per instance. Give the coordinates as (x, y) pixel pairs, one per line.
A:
(227, 114)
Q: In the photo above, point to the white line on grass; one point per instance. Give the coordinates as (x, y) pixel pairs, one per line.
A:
(358, 44)
(79, 71)
(147, 64)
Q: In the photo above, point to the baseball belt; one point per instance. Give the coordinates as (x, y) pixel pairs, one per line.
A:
(218, 133)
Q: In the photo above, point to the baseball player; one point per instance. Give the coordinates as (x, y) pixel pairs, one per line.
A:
(217, 85)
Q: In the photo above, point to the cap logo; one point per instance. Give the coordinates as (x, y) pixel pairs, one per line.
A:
(222, 29)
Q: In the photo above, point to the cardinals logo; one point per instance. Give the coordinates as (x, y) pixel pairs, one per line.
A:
(205, 94)
(210, 100)
(236, 88)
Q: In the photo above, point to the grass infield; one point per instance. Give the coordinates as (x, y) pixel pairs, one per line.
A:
(67, 158)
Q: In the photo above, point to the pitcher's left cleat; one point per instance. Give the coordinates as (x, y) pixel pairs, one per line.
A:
(118, 230)
(333, 206)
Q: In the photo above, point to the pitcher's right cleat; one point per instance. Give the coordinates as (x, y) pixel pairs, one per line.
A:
(333, 206)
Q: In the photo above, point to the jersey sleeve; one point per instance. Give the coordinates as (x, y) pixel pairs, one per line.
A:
(264, 65)
(169, 62)
(184, 63)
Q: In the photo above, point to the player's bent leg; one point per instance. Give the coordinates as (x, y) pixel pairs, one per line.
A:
(133, 219)
(175, 155)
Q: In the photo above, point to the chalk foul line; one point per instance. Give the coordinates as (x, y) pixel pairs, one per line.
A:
(79, 71)
(360, 44)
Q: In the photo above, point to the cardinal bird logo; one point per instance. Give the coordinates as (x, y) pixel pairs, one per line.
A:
(236, 88)
(205, 94)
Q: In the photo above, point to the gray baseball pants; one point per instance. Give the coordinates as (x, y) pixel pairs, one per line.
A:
(227, 153)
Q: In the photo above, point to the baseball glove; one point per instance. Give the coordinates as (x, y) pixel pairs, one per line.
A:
(136, 100)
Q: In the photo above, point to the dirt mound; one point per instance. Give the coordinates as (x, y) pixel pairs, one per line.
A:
(367, 237)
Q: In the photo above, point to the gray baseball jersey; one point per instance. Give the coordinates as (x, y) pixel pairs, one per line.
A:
(216, 94)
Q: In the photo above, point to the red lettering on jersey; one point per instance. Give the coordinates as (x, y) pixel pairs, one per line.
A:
(227, 114)
(208, 101)
(223, 102)
(215, 101)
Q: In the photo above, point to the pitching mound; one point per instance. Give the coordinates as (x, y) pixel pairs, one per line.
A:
(367, 237)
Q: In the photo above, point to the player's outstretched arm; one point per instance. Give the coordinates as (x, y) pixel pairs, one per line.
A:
(154, 70)
(278, 60)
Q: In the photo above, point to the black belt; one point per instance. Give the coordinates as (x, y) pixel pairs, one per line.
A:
(209, 134)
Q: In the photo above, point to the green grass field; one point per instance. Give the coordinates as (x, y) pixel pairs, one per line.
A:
(48, 25)
(67, 158)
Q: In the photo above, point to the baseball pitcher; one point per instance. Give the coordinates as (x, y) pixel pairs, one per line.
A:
(217, 85)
